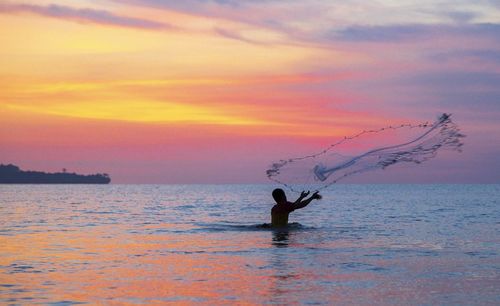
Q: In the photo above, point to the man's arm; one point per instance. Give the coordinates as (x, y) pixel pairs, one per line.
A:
(303, 194)
(301, 204)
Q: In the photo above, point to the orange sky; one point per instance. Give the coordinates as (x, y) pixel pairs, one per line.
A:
(141, 88)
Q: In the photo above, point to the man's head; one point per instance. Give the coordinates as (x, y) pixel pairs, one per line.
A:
(279, 195)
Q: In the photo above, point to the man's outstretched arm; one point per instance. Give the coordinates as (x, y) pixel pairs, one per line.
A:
(301, 204)
(303, 194)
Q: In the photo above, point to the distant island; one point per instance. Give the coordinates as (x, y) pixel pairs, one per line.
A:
(11, 174)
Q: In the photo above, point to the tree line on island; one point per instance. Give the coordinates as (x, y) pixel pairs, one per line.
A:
(12, 174)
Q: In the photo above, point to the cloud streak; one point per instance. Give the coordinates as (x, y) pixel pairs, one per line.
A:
(235, 36)
(398, 33)
(487, 55)
(317, 21)
(85, 15)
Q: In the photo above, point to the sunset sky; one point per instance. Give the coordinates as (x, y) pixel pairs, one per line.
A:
(213, 91)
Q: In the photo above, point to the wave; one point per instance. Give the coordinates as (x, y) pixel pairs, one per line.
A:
(221, 227)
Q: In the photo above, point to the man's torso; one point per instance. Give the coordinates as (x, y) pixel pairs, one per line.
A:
(279, 214)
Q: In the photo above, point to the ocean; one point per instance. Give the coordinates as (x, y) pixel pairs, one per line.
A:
(205, 244)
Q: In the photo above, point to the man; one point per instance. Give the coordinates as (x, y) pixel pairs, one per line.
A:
(280, 211)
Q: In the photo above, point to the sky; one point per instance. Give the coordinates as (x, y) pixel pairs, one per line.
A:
(214, 91)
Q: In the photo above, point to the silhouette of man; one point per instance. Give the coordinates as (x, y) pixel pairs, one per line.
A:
(280, 211)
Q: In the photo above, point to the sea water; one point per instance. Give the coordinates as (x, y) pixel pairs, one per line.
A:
(205, 244)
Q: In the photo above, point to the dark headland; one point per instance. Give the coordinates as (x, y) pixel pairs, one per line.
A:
(11, 174)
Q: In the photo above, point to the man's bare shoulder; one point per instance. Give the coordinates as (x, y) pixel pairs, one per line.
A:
(282, 208)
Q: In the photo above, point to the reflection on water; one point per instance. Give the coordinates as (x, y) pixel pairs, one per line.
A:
(283, 270)
(362, 245)
(280, 238)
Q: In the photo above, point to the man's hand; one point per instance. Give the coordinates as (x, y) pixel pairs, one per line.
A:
(316, 196)
(303, 203)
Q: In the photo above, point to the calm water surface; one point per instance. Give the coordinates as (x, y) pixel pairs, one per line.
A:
(199, 244)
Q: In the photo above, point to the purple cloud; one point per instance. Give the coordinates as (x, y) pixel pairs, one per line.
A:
(380, 33)
(396, 33)
(456, 80)
(252, 12)
(286, 16)
(486, 55)
(85, 15)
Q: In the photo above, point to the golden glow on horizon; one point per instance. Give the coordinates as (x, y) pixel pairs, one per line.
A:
(84, 70)
(208, 71)
(138, 111)
(68, 86)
